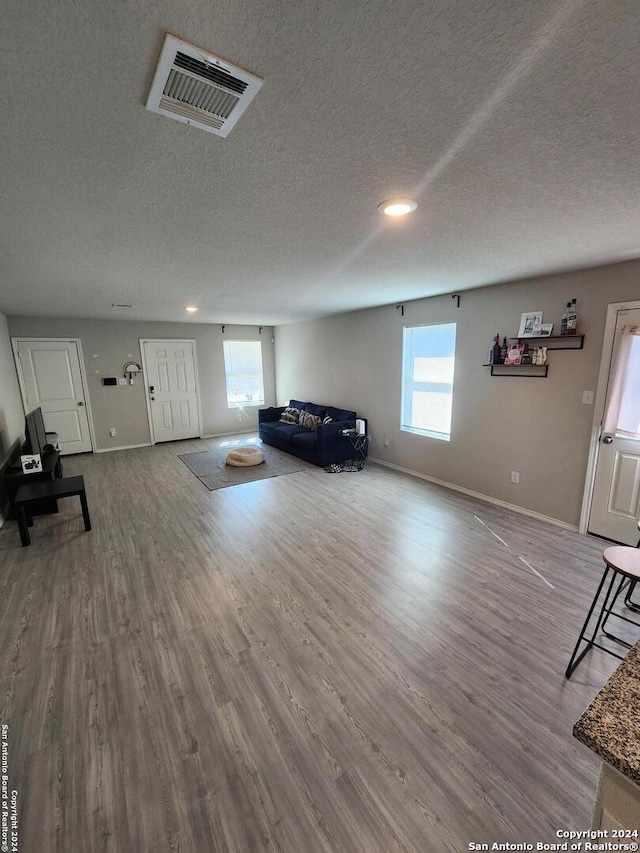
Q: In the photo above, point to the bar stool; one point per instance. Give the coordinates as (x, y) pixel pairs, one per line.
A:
(632, 605)
(623, 562)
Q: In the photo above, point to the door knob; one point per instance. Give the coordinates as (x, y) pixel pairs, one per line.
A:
(81, 403)
(607, 439)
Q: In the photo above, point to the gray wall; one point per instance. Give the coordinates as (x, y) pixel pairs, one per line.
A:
(538, 427)
(108, 344)
(11, 409)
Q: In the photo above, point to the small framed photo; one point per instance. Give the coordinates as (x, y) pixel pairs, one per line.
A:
(527, 323)
(31, 463)
(543, 331)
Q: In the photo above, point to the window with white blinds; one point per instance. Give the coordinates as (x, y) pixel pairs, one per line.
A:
(427, 379)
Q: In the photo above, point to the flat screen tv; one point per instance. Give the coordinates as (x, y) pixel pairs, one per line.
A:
(35, 434)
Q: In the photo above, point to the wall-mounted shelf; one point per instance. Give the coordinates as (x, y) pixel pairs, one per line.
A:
(555, 341)
(532, 370)
(538, 370)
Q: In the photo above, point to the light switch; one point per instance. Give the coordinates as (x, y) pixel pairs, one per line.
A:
(587, 398)
(122, 380)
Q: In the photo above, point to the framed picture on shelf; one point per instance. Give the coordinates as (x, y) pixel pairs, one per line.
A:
(31, 463)
(543, 331)
(527, 323)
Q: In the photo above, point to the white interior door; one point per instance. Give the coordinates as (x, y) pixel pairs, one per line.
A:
(615, 506)
(51, 378)
(172, 389)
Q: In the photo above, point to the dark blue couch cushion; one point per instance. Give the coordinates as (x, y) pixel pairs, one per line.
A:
(306, 439)
(315, 409)
(269, 426)
(340, 414)
(285, 432)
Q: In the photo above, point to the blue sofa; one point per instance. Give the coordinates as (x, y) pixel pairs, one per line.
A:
(319, 446)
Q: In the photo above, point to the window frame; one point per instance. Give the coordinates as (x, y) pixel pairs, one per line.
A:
(408, 386)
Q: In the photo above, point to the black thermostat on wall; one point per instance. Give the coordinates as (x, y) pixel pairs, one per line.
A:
(109, 380)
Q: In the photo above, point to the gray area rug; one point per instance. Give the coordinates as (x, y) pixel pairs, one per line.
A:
(209, 466)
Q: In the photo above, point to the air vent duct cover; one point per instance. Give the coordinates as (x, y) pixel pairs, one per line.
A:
(200, 89)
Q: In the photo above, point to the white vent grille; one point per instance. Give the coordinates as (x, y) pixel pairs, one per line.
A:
(200, 89)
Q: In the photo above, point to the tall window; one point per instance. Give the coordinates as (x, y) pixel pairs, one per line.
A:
(427, 379)
(243, 369)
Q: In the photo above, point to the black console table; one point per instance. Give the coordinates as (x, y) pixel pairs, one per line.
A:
(15, 477)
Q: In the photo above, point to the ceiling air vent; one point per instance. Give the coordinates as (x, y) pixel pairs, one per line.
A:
(200, 89)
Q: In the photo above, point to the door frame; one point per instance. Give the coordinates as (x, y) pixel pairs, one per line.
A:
(145, 373)
(601, 396)
(15, 341)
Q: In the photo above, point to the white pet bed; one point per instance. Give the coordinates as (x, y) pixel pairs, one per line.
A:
(244, 457)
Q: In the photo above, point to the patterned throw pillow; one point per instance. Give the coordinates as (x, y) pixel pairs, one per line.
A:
(327, 420)
(290, 416)
(309, 421)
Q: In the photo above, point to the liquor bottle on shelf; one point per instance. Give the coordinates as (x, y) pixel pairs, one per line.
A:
(563, 321)
(503, 351)
(496, 350)
(572, 318)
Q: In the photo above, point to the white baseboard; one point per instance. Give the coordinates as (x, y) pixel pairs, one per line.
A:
(486, 498)
(122, 447)
(235, 432)
(149, 444)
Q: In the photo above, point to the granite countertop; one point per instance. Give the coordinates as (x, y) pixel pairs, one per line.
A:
(611, 724)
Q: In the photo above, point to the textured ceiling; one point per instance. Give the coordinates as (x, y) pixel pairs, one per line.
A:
(515, 124)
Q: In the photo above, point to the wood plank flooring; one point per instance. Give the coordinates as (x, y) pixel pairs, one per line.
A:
(315, 663)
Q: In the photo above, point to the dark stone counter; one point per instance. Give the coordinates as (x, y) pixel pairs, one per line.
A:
(611, 724)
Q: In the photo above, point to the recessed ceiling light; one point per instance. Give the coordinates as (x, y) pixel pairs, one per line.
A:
(190, 308)
(398, 206)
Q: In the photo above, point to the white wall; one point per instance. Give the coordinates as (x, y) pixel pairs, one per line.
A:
(538, 427)
(108, 345)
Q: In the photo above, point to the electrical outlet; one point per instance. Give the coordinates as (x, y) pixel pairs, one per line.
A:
(515, 476)
(112, 431)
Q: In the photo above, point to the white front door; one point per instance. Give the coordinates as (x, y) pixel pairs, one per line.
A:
(615, 507)
(171, 389)
(50, 377)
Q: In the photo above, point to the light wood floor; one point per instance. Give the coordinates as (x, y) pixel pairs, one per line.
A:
(316, 662)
